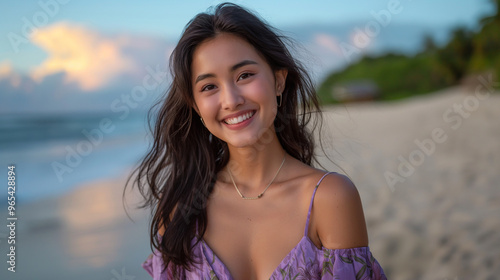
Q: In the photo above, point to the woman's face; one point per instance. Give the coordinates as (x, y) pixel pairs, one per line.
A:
(235, 90)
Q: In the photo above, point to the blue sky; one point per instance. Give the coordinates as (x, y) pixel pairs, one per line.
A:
(169, 17)
(114, 39)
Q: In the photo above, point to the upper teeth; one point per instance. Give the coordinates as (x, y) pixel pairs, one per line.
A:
(239, 119)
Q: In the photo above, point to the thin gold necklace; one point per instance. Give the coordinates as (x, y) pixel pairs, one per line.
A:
(262, 193)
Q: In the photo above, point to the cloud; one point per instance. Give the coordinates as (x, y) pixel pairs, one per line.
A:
(86, 57)
(327, 41)
(360, 39)
(7, 73)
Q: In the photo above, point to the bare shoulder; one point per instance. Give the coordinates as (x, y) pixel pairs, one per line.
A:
(338, 213)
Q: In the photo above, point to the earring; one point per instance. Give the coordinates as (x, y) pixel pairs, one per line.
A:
(202, 122)
(280, 100)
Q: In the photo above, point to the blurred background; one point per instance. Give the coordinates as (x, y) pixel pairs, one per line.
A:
(409, 88)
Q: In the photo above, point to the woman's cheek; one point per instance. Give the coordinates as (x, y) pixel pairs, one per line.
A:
(259, 90)
(209, 109)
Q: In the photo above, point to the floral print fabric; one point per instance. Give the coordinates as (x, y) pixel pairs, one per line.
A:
(305, 261)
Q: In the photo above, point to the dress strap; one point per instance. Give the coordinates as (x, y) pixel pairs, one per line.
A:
(312, 199)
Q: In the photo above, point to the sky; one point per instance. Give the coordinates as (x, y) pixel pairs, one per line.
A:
(72, 53)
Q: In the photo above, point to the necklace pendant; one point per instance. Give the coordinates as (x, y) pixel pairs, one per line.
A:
(260, 195)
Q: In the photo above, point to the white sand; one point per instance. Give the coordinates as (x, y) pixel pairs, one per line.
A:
(443, 221)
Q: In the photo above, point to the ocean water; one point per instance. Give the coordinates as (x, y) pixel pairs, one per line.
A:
(54, 154)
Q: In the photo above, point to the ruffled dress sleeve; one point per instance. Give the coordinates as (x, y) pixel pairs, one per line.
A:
(311, 263)
(148, 265)
(355, 263)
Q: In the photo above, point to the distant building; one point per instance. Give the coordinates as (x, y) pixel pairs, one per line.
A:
(353, 91)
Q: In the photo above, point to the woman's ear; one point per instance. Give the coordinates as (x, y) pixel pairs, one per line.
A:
(280, 78)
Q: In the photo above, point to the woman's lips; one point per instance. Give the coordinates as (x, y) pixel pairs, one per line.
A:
(239, 121)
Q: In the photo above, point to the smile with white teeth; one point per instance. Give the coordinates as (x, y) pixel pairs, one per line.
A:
(239, 119)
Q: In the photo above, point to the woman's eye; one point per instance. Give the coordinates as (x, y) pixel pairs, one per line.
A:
(208, 87)
(244, 76)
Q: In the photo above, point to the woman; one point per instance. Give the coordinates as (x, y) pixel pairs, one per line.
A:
(229, 175)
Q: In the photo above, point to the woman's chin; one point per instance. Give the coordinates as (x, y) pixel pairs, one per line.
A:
(248, 137)
(241, 143)
(254, 140)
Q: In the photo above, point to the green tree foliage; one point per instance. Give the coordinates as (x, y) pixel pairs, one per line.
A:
(397, 76)
(486, 45)
(456, 54)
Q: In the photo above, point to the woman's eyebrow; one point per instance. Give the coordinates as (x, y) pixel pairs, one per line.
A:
(203, 76)
(241, 64)
(232, 69)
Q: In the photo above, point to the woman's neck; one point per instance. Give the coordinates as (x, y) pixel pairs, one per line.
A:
(253, 168)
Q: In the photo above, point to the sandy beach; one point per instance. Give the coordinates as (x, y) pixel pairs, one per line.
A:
(426, 170)
(439, 221)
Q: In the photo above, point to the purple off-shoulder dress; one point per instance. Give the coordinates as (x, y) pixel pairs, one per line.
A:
(305, 261)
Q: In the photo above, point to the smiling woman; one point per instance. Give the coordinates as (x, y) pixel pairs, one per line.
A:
(229, 175)
(237, 99)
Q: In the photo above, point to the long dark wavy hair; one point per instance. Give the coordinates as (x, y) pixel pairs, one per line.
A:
(178, 174)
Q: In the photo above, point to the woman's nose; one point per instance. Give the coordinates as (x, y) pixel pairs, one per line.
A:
(231, 97)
